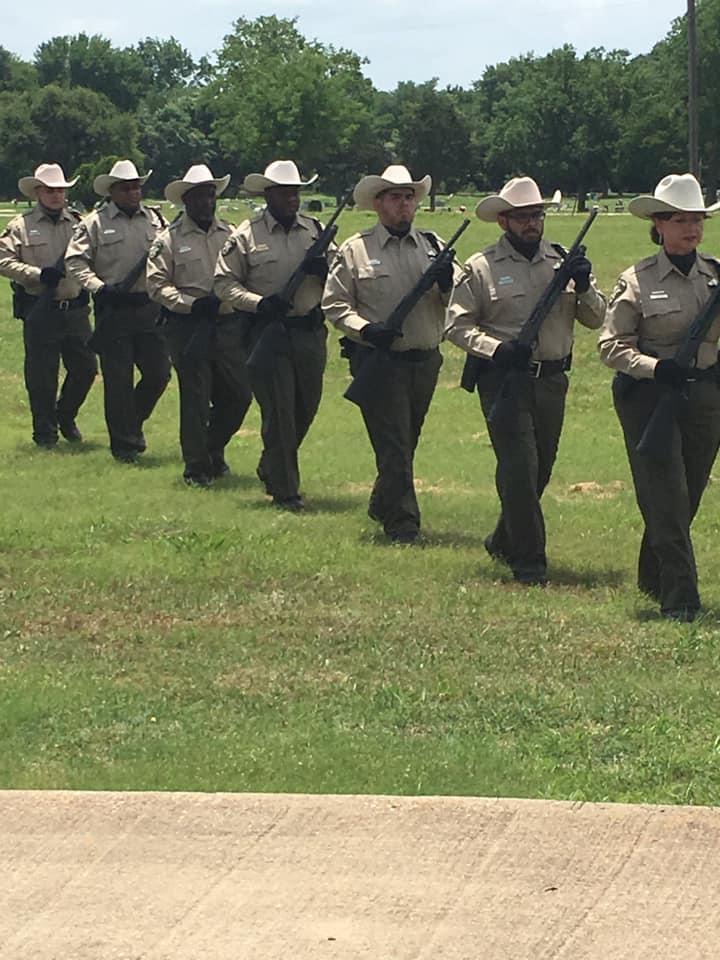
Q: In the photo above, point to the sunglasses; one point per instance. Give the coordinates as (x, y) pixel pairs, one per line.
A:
(538, 217)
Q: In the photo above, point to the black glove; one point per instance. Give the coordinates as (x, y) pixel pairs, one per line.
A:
(578, 268)
(512, 355)
(273, 307)
(671, 374)
(317, 267)
(109, 293)
(444, 275)
(205, 306)
(51, 276)
(379, 335)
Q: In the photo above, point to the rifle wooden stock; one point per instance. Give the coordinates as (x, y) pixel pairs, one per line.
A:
(363, 386)
(656, 439)
(503, 407)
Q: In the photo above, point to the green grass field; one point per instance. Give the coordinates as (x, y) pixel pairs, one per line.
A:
(158, 637)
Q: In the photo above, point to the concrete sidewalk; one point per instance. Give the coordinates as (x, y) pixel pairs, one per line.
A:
(218, 876)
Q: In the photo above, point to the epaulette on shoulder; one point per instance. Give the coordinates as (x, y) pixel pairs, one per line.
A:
(646, 262)
(710, 259)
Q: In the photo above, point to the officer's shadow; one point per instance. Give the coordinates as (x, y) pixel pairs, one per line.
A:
(588, 579)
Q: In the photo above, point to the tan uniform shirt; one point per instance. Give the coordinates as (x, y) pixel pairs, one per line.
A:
(497, 293)
(371, 274)
(181, 264)
(650, 311)
(107, 244)
(33, 241)
(260, 257)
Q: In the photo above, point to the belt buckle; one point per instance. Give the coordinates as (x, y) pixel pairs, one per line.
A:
(535, 369)
(62, 305)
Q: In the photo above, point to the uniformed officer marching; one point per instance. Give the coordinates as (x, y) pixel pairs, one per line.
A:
(206, 337)
(489, 305)
(108, 247)
(31, 247)
(254, 265)
(372, 272)
(650, 311)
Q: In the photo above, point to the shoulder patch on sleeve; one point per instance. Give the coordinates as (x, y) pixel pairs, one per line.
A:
(620, 288)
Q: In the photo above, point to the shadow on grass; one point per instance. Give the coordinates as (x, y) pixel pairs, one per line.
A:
(570, 577)
(708, 616)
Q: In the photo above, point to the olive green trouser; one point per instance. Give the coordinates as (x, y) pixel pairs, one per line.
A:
(127, 337)
(394, 422)
(62, 334)
(669, 493)
(289, 396)
(214, 388)
(525, 449)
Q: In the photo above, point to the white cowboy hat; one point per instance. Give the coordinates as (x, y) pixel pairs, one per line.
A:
(518, 192)
(46, 175)
(122, 170)
(196, 176)
(393, 176)
(676, 193)
(279, 173)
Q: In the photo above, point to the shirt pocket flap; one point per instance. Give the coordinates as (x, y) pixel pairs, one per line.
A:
(661, 307)
(258, 258)
(110, 235)
(367, 271)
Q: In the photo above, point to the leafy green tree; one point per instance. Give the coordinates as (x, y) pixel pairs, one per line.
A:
(15, 74)
(171, 137)
(276, 94)
(557, 117)
(430, 134)
(56, 124)
(94, 63)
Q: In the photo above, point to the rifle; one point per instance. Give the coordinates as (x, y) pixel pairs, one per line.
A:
(273, 337)
(124, 286)
(40, 310)
(656, 439)
(364, 384)
(504, 404)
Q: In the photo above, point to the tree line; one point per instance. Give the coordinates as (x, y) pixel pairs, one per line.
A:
(603, 121)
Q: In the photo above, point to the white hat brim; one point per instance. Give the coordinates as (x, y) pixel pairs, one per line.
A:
(28, 185)
(258, 183)
(176, 190)
(489, 208)
(646, 207)
(369, 187)
(102, 183)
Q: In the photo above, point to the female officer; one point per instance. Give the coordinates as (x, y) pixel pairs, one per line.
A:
(649, 313)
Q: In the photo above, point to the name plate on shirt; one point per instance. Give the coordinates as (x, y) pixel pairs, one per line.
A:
(261, 247)
(504, 281)
(109, 230)
(185, 250)
(658, 295)
(374, 263)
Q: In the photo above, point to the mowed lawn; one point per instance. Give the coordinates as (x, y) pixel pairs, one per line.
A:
(158, 637)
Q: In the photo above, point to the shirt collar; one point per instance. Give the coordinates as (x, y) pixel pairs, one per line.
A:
(41, 214)
(188, 225)
(272, 224)
(504, 249)
(666, 266)
(114, 210)
(385, 237)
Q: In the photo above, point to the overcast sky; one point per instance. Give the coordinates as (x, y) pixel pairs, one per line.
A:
(453, 41)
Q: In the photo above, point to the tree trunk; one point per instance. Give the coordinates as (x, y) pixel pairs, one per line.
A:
(581, 199)
(432, 197)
